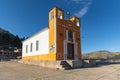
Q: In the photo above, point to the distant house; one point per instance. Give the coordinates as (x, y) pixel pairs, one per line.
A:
(59, 41)
(9, 54)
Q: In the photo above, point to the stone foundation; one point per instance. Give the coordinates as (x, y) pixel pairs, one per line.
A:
(53, 64)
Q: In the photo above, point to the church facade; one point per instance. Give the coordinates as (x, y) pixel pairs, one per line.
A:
(59, 41)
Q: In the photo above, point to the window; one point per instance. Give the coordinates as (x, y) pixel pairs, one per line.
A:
(60, 15)
(31, 45)
(77, 23)
(26, 48)
(70, 35)
(37, 45)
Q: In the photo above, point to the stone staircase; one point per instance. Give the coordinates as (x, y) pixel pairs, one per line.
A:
(65, 65)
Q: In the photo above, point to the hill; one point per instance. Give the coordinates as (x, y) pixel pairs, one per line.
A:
(102, 55)
(8, 40)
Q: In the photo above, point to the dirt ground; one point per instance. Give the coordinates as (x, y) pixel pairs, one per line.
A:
(16, 71)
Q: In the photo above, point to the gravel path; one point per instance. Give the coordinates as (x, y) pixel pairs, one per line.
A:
(15, 71)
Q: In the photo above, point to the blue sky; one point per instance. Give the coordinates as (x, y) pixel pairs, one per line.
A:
(100, 20)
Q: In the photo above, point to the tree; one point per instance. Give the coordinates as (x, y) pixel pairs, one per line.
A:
(17, 42)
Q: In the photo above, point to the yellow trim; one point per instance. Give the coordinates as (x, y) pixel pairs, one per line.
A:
(40, 57)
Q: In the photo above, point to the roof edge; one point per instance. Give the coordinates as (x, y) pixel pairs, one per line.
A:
(36, 33)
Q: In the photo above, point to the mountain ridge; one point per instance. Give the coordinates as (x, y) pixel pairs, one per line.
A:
(101, 54)
(8, 39)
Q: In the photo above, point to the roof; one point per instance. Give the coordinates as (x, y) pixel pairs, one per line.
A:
(37, 33)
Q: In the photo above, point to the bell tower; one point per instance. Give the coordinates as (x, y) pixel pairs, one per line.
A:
(54, 15)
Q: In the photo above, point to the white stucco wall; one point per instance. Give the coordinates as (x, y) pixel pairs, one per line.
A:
(43, 38)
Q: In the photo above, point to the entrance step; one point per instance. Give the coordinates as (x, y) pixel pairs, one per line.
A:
(65, 65)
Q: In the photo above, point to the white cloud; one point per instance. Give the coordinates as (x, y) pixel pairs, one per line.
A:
(82, 12)
(85, 6)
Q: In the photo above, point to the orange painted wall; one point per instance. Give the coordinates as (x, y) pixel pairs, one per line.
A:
(51, 31)
(62, 26)
(40, 57)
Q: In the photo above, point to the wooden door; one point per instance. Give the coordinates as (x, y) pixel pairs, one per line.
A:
(70, 51)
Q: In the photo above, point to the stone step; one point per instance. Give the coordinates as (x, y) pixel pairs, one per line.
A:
(65, 65)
